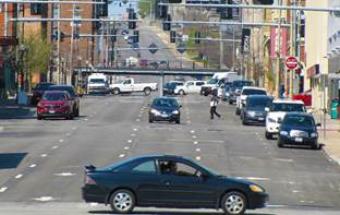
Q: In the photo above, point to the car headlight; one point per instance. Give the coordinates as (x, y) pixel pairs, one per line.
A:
(175, 112)
(251, 113)
(271, 120)
(314, 134)
(284, 133)
(256, 189)
(156, 112)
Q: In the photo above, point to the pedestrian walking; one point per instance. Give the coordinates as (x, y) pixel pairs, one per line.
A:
(213, 105)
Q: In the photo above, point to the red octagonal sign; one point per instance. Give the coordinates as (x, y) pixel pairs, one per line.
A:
(291, 63)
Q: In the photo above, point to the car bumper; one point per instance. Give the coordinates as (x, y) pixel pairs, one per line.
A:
(257, 200)
(169, 117)
(260, 119)
(272, 128)
(93, 194)
(56, 114)
(298, 140)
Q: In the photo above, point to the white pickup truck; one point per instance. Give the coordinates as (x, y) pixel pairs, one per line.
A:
(129, 86)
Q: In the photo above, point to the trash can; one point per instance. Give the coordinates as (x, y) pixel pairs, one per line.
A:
(334, 109)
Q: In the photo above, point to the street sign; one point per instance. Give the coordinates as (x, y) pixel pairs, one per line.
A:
(153, 48)
(291, 63)
(181, 48)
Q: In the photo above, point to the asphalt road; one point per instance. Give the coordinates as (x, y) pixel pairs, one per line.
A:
(41, 162)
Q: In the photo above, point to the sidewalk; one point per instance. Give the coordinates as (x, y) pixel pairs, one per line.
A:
(329, 135)
(10, 110)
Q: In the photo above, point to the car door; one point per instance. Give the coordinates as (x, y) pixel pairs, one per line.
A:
(186, 187)
(127, 86)
(190, 87)
(198, 86)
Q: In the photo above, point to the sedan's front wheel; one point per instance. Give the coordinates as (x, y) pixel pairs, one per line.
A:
(122, 201)
(234, 203)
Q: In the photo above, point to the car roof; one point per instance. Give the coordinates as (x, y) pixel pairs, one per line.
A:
(259, 97)
(158, 156)
(253, 88)
(287, 101)
(164, 97)
(61, 86)
(56, 92)
(299, 114)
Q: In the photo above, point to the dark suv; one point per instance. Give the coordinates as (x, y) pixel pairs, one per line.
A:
(254, 109)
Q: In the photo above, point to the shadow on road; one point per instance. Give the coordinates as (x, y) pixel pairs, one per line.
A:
(11, 160)
(170, 213)
(17, 112)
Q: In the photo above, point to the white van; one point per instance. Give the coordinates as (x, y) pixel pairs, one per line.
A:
(217, 79)
(97, 83)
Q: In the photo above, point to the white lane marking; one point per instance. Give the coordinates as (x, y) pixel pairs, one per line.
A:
(133, 135)
(129, 141)
(198, 150)
(3, 189)
(68, 134)
(296, 191)
(126, 148)
(1, 128)
(194, 137)
(93, 204)
(61, 141)
(74, 128)
(254, 178)
(291, 182)
(284, 160)
(65, 174)
(43, 155)
(55, 147)
(137, 120)
(86, 119)
(19, 176)
(44, 199)
(276, 206)
(198, 158)
(32, 165)
(122, 155)
(195, 142)
(135, 129)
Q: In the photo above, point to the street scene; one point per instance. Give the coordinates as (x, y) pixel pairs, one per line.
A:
(169, 107)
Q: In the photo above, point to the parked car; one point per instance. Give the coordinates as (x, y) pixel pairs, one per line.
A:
(254, 109)
(130, 86)
(189, 87)
(74, 97)
(168, 181)
(298, 128)
(55, 104)
(38, 91)
(165, 109)
(169, 88)
(247, 91)
(277, 111)
(235, 90)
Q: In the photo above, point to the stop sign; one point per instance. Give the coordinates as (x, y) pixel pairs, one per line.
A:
(291, 63)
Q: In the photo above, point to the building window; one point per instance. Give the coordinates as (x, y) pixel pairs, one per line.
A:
(36, 9)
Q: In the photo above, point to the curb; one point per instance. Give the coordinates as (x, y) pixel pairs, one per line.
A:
(330, 157)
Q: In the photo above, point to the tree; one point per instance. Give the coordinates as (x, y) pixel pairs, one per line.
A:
(36, 56)
(144, 7)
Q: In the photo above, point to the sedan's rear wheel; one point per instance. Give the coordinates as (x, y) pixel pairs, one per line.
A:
(147, 91)
(122, 201)
(181, 92)
(234, 203)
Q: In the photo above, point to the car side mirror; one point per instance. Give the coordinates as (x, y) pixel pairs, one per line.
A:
(266, 109)
(180, 106)
(318, 124)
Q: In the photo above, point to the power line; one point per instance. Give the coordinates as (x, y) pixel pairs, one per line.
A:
(249, 24)
(50, 2)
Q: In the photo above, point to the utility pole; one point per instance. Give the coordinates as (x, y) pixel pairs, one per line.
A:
(221, 47)
(292, 48)
(278, 61)
(72, 35)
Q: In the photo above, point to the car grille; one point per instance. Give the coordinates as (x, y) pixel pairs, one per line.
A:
(54, 106)
(297, 133)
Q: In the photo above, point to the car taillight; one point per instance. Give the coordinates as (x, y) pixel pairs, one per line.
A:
(89, 180)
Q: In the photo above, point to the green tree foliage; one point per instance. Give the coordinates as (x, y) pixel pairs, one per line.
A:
(144, 7)
(37, 54)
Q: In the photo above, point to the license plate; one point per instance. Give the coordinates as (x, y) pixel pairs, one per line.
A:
(164, 115)
(51, 111)
(261, 118)
(298, 139)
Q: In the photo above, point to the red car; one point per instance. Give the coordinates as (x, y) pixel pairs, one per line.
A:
(55, 104)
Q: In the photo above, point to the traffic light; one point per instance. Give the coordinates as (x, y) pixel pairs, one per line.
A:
(163, 11)
(102, 9)
(62, 36)
(197, 37)
(173, 36)
(132, 16)
(167, 24)
(76, 35)
(136, 37)
(245, 40)
(36, 9)
(113, 35)
(264, 2)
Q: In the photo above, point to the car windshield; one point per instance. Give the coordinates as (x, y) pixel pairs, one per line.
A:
(54, 97)
(240, 84)
(43, 86)
(253, 92)
(66, 88)
(301, 121)
(286, 107)
(97, 80)
(165, 103)
(213, 81)
(259, 102)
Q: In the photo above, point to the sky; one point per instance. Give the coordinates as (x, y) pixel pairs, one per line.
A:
(115, 10)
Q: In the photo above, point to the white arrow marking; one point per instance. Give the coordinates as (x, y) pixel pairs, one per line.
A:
(43, 155)
(122, 155)
(129, 141)
(65, 174)
(44, 198)
(32, 165)
(18, 176)
(198, 158)
(195, 142)
(3, 189)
